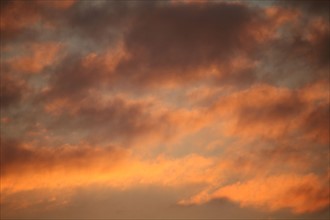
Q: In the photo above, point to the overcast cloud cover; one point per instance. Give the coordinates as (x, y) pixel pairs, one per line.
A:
(165, 109)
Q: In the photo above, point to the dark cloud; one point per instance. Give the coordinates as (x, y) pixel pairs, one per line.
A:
(316, 123)
(12, 91)
(172, 43)
(113, 120)
(175, 43)
(17, 156)
(316, 51)
(281, 109)
(165, 43)
(316, 8)
(11, 152)
(73, 79)
(97, 22)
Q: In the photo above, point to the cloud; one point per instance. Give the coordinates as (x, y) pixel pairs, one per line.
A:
(315, 123)
(77, 74)
(57, 4)
(30, 159)
(309, 41)
(319, 8)
(298, 54)
(16, 15)
(19, 17)
(184, 42)
(12, 90)
(285, 111)
(122, 119)
(228, 99)
(164, 53)
(93, 202)
(35, 57)
(302, 194)
(25, 167)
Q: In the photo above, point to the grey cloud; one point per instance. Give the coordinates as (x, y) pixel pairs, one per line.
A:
(278, 110)
(315, 8)
(94, 202)
(116, 120)
(174, 42)
(12, 91)
(72, 79)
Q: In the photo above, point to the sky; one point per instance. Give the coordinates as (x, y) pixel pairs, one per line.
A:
(165, 109)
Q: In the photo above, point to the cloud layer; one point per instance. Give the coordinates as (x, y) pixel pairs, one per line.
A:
(215, 102)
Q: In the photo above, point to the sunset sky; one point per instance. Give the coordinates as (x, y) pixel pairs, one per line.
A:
(165, 109)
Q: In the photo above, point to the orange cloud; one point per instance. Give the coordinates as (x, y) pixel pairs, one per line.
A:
(37, 56)
(246, 113)
(281, 15)
(308, 193)
(27, 168)
(63, 4)
(181, 95)
(16, 15)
